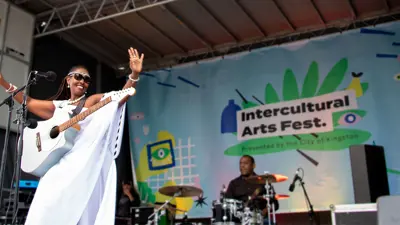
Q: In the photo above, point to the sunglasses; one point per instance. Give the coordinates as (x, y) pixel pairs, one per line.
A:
(79, 76)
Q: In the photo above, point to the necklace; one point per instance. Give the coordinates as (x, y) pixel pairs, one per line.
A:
(75, 101)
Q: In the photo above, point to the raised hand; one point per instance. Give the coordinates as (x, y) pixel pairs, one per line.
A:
(135, 63)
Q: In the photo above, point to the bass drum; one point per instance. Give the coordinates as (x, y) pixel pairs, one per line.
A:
(227, 212)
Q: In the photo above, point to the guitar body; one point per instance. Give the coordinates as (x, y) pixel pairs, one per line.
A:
(40, 151)
(42, 148)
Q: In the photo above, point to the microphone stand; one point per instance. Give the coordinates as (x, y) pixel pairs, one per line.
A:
(9, 101)
(312, 217)
(21, 122)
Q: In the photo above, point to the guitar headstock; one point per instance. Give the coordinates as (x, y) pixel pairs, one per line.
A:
(118, 95)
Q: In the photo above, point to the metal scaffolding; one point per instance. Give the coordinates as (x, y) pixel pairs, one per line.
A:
(82, 13)
(168, 62)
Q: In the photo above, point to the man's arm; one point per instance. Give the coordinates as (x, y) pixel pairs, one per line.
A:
(263, 191)
(276, 204)
(230, 191)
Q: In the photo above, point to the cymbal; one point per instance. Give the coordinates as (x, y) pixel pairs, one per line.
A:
(270, 178)
(185, 191)
(280, 196)
(277, 197)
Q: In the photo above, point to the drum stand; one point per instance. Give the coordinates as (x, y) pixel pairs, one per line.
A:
(222, 198)
(155, 214)
(268, 197)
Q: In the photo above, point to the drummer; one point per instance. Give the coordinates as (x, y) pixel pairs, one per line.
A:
(240, 189)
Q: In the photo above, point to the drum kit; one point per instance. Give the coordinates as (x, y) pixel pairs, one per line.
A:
(178, 191)
(226, 211)
(231, 211)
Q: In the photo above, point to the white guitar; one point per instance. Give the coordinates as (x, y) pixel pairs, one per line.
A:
(46, 144)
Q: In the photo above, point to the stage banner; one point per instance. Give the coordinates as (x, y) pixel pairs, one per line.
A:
(299, 105)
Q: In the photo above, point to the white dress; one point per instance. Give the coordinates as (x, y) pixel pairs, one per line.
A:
(81, 188)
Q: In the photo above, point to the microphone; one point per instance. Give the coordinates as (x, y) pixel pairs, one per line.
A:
(31, 123)
(49, 75)
(296, 177)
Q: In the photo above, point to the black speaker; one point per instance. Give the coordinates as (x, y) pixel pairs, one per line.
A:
(355, 218)
(368, 168)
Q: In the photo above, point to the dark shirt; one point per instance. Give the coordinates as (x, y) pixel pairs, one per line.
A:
(240, 189)
(124, 203)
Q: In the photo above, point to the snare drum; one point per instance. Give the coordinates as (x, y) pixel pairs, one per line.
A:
(226, 211)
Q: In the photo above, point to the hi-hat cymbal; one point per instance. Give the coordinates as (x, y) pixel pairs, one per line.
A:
(169, 206)
(270, 178)
(181, 191)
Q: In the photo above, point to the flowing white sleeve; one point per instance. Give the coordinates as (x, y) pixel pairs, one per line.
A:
(117, 129)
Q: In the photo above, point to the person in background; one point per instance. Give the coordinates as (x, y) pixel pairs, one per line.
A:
(128, 197)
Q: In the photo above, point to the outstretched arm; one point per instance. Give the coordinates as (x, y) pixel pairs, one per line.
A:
(136, 65)
(41, 108)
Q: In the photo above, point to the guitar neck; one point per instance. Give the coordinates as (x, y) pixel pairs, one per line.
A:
(83, 115)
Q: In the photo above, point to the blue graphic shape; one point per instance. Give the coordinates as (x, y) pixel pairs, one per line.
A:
(188, 81)
(147, 74)
(166, 85)
(229, 118)
(386, 55)
(396, 43)
(158, 145)
(375, 31)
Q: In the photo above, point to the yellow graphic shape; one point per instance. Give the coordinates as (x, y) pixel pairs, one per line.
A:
(355, 85)
(182, 204)
(142, 170)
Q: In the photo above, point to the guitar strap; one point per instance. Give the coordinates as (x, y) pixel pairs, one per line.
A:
(78, 109)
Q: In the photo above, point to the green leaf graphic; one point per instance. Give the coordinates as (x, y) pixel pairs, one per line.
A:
(393, 171)
(146, 192)
(270, 94)
(337, 115)
(249, 104)
(334, 78)
(364, 87)
(290, 88)
(310, 84)
(338, 139)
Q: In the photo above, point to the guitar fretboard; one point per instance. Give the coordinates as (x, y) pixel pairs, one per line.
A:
(84, 114)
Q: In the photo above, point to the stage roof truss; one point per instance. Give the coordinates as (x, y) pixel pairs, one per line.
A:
(172, 32)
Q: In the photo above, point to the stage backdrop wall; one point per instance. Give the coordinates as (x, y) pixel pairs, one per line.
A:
(297, 105)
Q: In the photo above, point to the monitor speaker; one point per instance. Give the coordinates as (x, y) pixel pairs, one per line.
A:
(368, 167)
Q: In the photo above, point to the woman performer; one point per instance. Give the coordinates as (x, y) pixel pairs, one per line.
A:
(81, 187)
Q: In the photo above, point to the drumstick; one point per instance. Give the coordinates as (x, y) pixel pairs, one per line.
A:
(255, 193)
